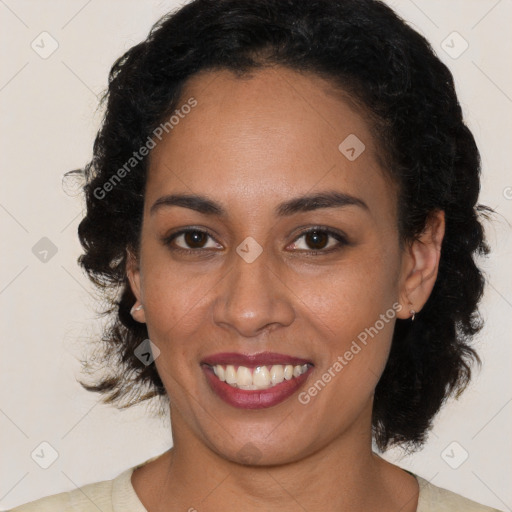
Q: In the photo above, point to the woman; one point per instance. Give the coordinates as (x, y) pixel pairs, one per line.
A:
(282, 208)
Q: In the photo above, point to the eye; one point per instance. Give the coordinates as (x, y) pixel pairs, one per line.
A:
(317, 240)
(190, 240)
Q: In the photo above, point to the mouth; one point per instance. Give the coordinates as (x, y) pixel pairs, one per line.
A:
(255, 381)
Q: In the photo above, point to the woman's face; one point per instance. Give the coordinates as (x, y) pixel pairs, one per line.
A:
(251, 284)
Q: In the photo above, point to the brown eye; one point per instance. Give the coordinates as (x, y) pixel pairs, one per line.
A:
(190, 240)
(318, 241)
(195, 239)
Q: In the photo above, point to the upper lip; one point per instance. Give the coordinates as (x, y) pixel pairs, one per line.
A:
(252, 360)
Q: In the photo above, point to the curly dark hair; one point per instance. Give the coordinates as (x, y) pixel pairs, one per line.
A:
(409, 97)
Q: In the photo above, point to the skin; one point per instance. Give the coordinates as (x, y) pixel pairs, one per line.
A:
(250, 150)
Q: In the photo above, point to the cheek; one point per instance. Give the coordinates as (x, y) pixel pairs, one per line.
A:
(176, 312)
(355, 309)
(174, 301)
(352, 294)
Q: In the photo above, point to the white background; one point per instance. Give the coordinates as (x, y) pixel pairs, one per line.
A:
(48, 123)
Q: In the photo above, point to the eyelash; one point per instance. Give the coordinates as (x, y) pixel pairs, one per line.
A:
(338, 236)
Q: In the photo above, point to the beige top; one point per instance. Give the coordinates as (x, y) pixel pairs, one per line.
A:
(118, 495)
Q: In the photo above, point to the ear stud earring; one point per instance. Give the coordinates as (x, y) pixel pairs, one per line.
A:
(138, 308)
(413, 314)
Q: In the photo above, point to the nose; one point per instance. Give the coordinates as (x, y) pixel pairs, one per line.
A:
(253, 298)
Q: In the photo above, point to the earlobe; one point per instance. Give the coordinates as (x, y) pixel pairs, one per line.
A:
(420, 266)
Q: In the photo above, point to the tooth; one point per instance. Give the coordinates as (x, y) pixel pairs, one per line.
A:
(243, 376)
(261, 376)
(277, 373)
(230, 374)
(220, 372)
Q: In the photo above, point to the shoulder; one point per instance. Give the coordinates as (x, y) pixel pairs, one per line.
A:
(107, 496)
(437, 499)
(90, 497)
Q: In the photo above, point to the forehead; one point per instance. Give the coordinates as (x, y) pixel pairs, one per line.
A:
(272, 133)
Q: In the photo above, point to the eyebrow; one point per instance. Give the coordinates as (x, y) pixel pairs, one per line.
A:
(306, 203)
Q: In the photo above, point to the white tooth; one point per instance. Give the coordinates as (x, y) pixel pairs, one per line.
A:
(219, 371)
(243, 376)
(230, 374)
(249, 387)
(277, 373)
(261, 377)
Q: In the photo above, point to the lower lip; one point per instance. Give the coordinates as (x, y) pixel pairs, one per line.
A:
(254, 398)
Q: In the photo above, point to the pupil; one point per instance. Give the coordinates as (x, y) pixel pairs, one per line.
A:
(315, 235)
(194, 237)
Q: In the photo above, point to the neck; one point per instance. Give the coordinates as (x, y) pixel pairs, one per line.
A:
(344, 475)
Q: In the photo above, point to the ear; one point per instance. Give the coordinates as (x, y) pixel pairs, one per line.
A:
(420, 265)
(133, 274)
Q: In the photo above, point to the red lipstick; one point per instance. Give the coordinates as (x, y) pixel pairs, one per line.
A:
(257, 398)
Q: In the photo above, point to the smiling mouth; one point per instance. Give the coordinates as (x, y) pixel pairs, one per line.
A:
(255, 381)
(258, 377)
